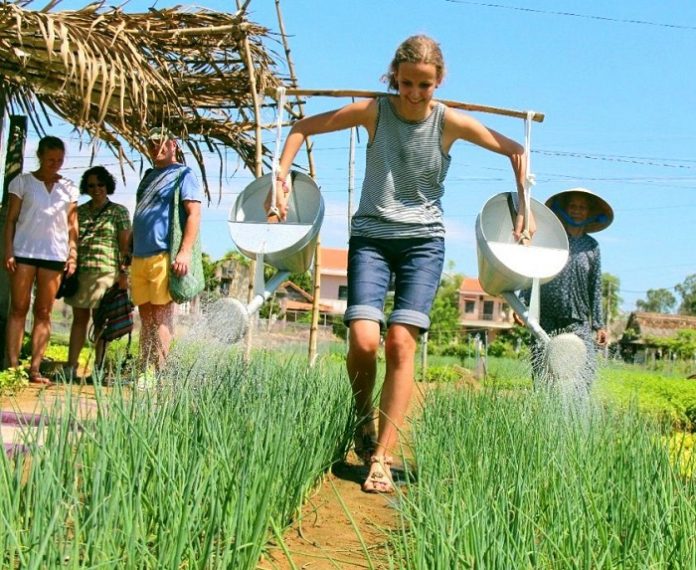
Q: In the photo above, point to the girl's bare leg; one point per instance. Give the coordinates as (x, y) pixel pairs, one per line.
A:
(47, 283)
(21, 281)
(362, 369)
(78, 335)
(156, 333)
(400, 349)
(362, 363)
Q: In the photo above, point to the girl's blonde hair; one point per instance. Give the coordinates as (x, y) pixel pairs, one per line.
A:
(416, 49)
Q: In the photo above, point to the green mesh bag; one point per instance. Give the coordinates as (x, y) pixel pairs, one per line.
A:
(186, 288)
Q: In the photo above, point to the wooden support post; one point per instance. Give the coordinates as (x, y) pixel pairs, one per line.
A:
(316, 292)
(424, 356)
(258, 170)
(14, 162)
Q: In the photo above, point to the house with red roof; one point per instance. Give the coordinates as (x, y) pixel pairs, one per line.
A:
(334, 279)
(479, 311)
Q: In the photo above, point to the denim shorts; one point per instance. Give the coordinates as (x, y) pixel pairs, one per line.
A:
(416, 266)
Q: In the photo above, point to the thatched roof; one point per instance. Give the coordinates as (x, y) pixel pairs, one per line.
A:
(113, 74)
(656, 325)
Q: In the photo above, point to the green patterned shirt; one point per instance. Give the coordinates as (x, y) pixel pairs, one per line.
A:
(97, 249)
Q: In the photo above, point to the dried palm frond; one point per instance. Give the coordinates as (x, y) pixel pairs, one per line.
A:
(114, 75)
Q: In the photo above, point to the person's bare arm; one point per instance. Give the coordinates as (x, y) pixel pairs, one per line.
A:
(124, 248)
(73, 232)
(462, 126)
(14, 205)
(361, 113)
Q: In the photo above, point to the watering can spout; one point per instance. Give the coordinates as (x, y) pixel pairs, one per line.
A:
(529, 320)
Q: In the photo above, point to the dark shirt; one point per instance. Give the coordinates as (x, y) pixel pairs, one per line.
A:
(574, 296)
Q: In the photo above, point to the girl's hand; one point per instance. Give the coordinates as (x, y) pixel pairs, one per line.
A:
(602, 337)
(182, 262)
(519, 233)
(10, 263)
(70, 266)
(280, 212)
(123, 281)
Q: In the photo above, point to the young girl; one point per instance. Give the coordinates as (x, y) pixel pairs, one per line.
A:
(398, 228)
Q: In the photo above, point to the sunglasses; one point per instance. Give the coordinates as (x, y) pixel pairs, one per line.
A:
(97, 185)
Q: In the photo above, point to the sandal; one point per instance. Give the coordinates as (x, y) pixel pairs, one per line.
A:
(379, 479)
(35, 377)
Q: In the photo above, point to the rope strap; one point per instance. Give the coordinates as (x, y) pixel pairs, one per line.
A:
(280, 98)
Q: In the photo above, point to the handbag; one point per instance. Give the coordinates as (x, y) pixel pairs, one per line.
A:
(113, 318)
(68, 285)
(183, 288)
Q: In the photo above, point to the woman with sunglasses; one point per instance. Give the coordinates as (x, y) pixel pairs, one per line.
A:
(103, 254)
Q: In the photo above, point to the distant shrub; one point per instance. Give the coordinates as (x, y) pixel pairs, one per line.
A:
(442, 374)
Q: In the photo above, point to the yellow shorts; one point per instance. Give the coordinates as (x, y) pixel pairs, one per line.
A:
(150, 280)
(90, 289)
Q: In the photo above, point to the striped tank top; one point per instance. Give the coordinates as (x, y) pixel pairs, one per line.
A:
(404, 177)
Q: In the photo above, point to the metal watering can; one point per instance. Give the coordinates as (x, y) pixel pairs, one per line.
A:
(506, 266)
(288, 246)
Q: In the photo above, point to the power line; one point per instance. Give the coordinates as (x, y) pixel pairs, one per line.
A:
(617, 158)
(574, 15)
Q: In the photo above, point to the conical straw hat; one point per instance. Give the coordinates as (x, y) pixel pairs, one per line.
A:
(599, 218)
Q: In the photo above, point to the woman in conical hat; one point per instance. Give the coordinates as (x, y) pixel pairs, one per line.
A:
(572, 301)
(598, 217)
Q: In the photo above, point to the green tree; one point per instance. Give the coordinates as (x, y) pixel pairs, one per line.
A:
(304, 281)
(657, 301)
(444, 315)
(209, 266)
(684, 343)
(687, 290)
(236, 256)
(611, 300)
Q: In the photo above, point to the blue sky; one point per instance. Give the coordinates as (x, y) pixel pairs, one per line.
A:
(615, 80)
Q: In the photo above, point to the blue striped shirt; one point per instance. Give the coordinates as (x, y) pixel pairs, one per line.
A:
(404, 177)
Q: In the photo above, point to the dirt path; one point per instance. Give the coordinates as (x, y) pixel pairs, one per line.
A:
(340, 527)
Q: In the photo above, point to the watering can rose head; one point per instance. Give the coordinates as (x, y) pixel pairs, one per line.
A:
(581, 208)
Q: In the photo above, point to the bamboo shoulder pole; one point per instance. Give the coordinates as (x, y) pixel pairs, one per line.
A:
(538, 117)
